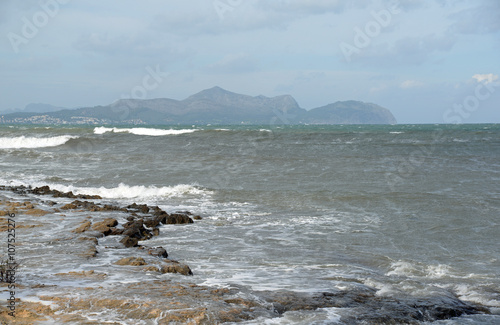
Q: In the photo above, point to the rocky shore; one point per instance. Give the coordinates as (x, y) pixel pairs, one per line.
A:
(158, 291)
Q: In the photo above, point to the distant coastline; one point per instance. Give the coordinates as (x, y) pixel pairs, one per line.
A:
(211, 106)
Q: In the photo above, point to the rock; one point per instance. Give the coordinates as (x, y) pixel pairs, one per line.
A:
(133, 261)
(83, 227)
(36, 212)
(152, 222)
(178, 218)
(158, 251)
(135, 229)
(92, 239)
(44, 190)
(69, 206)
(116, 231)
(104, 226)
(151, 269)
(197, 218)
(109, 222)
(176, 268)
(129, 242)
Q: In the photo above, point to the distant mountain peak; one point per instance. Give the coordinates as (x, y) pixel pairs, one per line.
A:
(215, 106)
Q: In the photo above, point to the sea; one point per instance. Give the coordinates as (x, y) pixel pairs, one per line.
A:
(404, 209)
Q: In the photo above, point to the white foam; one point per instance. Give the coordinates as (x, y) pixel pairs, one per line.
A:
(143, 131)
(123, 191)
(23, 142)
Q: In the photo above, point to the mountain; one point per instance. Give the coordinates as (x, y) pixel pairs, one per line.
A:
(34, 108)
(349, 112)
(213, 106)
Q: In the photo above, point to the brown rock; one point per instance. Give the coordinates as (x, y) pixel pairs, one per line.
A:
(158, 251)
(178, 218)
(176, 268)
(36, 212)
(69, 206)
(129, 242)
(104, 227)
(83, 227)
(133, 261)
(109, 222)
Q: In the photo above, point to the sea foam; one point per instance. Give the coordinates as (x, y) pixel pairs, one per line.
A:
(32, 142)
(124, 191)
(142, 131)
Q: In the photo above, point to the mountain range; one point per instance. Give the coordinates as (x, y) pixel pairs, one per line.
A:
(210, 106)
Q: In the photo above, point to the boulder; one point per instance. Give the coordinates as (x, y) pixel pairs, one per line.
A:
(83, 227)
(129, 241)
(176, 268)
(132, 261)
(178, 218)
(158, 251)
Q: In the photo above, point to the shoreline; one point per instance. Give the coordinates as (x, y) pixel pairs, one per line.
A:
(99, 229)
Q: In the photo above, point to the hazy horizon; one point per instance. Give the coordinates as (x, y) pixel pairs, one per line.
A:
(426, 61)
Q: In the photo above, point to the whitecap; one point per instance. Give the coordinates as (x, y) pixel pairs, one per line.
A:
(23, 142)
(142, 131)
(124, 191)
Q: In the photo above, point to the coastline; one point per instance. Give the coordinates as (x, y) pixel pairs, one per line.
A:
(157, 290)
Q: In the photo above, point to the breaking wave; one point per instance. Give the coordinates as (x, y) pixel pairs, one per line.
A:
(124, 191)
(142, 131)
(23, 142)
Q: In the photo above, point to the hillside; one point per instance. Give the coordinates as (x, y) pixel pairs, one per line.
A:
(214, 106)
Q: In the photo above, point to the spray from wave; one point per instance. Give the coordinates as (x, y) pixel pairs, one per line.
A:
(23, 142)
(142, 131)
(124, 191)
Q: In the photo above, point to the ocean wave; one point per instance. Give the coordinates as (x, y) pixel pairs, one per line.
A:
(124, 191)
(142, 131)
(23, 142)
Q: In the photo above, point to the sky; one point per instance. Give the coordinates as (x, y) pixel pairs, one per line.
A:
(427, 61)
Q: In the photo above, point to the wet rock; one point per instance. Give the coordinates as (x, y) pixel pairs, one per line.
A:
(36, 212)
(83, 227)
(132, 261)
(116, 231)
(129, 241)
(135, 229)
(176, 267)
(197, 218)
(91, 239)
(43, 190)
(69, 206)
(178, 218)
(152, 222)
(362, 305)
(158, 251)
(104, 227)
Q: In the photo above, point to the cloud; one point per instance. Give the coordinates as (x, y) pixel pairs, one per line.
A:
(406, 51)
(407, 84)
(486, 78)
(234, 63)
(305, 7)
(482, 19)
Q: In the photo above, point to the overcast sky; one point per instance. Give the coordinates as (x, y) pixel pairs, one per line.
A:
(431, 61)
